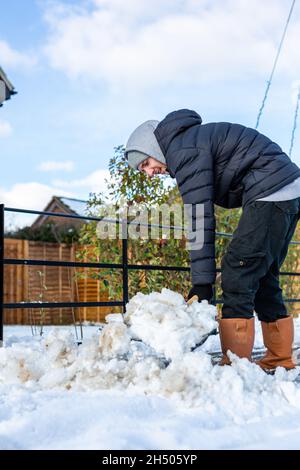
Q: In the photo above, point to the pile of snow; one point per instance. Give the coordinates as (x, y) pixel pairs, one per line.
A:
(115, 361)
(117, 358)
(112, 360)
(167, 323)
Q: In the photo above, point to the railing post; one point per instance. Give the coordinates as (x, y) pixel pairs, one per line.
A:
(125, 263)
(1, 271)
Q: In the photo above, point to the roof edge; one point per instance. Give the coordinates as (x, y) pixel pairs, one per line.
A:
(7, 82)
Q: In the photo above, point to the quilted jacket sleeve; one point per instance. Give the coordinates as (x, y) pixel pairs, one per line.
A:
(195, 179)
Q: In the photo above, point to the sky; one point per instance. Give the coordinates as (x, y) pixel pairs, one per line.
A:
(88, 72)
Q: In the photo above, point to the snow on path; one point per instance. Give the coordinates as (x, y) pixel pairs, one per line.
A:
(114, 420)
(114, 393)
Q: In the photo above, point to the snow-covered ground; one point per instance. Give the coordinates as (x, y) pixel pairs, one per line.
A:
(113, 392)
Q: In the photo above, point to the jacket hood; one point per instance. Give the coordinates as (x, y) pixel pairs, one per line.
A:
(173, 124)
(142, 144)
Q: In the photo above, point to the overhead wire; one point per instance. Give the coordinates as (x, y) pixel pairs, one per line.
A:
(295, 123)
(274, 65)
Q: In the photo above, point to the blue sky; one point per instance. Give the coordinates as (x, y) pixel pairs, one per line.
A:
(88, 72)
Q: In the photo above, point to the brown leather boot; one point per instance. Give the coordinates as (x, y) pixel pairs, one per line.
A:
(278, 339)
(237, 336)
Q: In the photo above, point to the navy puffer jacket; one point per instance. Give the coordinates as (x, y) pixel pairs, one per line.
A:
(219, 163)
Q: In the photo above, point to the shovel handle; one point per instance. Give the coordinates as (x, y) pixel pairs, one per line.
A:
(195, 298)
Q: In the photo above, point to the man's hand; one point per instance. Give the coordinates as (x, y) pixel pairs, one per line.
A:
(203, 292)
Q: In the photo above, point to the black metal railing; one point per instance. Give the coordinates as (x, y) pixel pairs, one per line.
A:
(124, 266)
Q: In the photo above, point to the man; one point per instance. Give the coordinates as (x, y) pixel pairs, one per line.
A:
(232, 166)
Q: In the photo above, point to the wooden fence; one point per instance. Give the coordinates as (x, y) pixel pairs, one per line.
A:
(49, 284)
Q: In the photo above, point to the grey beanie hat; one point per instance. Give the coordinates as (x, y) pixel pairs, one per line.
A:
(142, 144)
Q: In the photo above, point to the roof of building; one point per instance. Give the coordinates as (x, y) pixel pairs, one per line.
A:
(9, 85)
(64, 205)
(6, 88)
(78, 206)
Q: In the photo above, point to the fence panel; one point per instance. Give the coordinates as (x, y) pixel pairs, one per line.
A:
(48, 284)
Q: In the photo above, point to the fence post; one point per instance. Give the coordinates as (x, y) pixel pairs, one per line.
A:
(1, 271)
(125, 263)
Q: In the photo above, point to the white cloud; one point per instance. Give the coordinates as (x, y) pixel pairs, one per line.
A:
(56, 166)
(5, 129)
(140, 44)
(31, 195)
(15, 59)
(35, 196)
(95, 182)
